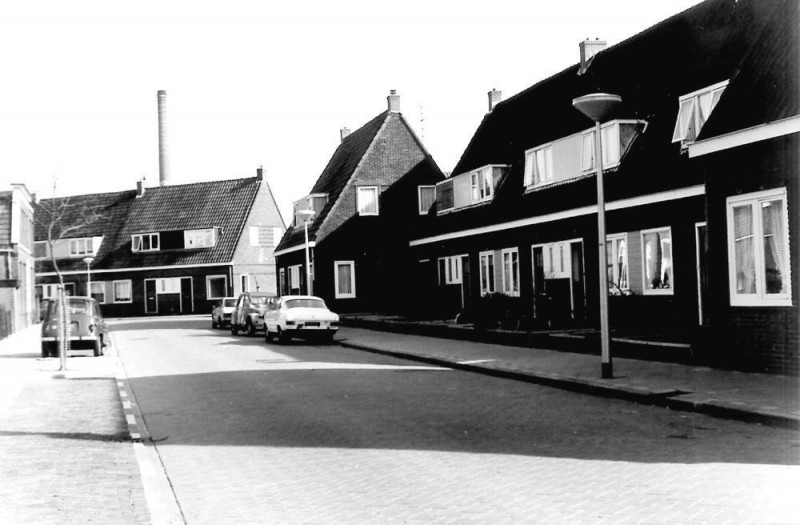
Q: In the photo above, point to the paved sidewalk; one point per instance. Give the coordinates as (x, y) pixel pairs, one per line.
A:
(65, 452)
(761, 398)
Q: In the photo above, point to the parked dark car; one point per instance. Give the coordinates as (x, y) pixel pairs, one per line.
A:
(86, 330)
(249, 312)
(221, 312)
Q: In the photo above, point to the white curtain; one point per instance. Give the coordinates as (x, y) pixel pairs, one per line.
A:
(345, 279)
(774, 249)
(744, 249)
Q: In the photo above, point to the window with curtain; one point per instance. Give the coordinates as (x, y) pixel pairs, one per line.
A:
(511, 272)
(617, 264)
(427, 195)
(487, 273)
(368, 200)
(482, 185)
(658, 268)
(122, 292)
(539, 166)
(99, 291)
(345, 279)
(758, 249)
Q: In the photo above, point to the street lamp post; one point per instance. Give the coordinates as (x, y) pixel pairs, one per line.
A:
(88, 261)
(599, 106)
(305, 216)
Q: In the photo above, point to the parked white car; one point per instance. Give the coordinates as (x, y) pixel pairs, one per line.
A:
(303, 316)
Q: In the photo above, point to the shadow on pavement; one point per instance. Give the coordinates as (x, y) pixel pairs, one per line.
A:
(83, 436)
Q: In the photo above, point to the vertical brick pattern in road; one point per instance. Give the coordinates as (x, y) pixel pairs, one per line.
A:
(65, 456)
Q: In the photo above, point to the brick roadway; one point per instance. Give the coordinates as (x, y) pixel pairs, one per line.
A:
(65, 456)
(256, 433)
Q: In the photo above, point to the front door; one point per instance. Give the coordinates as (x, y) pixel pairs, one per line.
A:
(187, 302)
(150, 301)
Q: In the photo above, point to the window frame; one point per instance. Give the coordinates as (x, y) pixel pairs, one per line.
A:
(452, 270)
(338, 294)
(294, 275)
(612, 241)
(481, 185)
(224, 286)
(198, 234)
(114, 291)
(88, 246)
(103, 285)
(646, 290)
(362, 189)
(609, 128)
(137, 247)
(419, 198)
(532, 178)
(693, 99)
(515, 277)
(760, 298)
(491, 287)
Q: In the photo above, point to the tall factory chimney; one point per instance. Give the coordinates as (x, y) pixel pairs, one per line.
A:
(163, 157)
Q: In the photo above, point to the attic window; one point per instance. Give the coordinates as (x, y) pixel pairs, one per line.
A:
(427, 196)
(204, 238)
(616, 137)
(145, 242)
(482, 185)
(694, 110)
(81, 246)
(368, 200)
(539, 166)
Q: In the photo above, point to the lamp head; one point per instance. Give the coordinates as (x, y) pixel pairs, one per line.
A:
(597, 106)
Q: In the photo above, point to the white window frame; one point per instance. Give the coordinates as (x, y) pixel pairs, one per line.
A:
(646, 290)
(81, 246)
(103, 286)
(609, 134)
(224, 286)
(481, 185)
(114, 291)
(612, 244)
(364, 189)
(760, 298)
(338, 294)
(419, 198)
(452, 270)
(199, 238)
(508, 286)
(483, 260)
(532, 175)
(137, 242)
(689, 106)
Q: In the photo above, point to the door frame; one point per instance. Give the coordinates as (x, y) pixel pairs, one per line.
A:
(698, 272)
(155, 290)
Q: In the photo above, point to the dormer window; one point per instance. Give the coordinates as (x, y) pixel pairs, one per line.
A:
(539, 165)
(482, 185)
(694, 110)
(78, 247)
(315, 202)
(145, 242)
(205, 238)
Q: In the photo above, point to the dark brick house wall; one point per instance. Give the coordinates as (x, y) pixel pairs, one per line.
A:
(752, 337)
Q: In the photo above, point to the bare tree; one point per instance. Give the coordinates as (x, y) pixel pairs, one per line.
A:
(62, 218)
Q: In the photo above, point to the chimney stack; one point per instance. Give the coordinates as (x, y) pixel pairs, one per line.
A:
(343, 133)
(589, 48)
(394, 101)
(163, 158)
(140, 188)
(260, 173)
(495, 97)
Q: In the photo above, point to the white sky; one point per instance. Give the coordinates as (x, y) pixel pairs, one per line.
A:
(266, 83)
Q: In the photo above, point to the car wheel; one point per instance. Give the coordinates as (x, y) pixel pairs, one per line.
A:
(283, 338)
(267, 334)
(45, 349)
(250, 328)
(234, 329)
(98, 347)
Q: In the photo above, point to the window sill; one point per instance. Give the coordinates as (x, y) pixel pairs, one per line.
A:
(760, 302)
(666, 291)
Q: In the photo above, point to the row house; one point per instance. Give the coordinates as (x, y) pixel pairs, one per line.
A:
(356, 222)
(699, 239)
(165, 250)
(18, 306)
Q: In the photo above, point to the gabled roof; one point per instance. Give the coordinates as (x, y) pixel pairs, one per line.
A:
(336, 174)
(222, 204)
(650, 71)
(766, 86)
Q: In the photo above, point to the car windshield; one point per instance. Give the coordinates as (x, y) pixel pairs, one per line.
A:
(305, 303)
(230, 302)
(259, 301)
